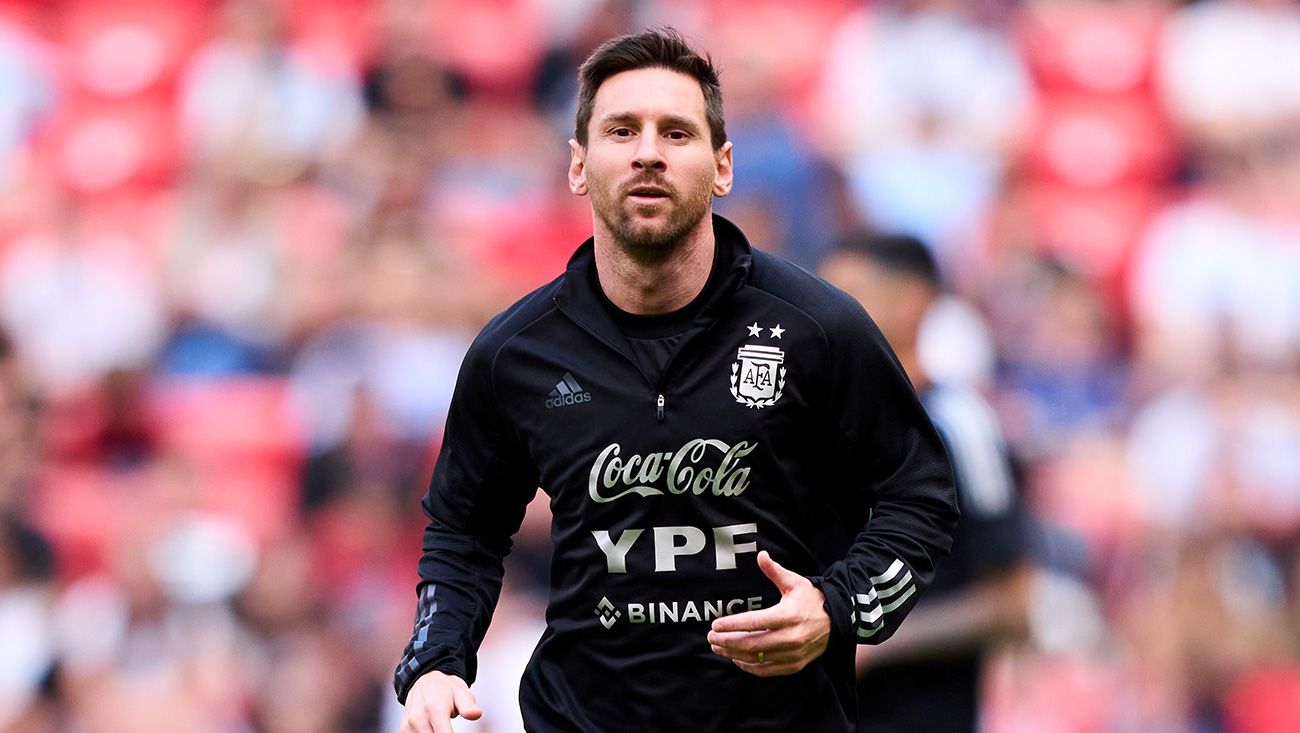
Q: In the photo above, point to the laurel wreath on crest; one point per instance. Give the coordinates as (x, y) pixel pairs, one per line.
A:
(749, 401)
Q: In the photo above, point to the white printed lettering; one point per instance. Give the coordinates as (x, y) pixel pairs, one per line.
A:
(725, 546)
(688, 470)
(667, 550)
(616, 552)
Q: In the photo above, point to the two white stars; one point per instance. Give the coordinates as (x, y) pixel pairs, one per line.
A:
(756, 330)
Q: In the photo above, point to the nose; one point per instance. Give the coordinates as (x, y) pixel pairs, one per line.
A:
(648, 155)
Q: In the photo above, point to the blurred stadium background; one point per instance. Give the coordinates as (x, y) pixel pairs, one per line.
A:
(243, 246)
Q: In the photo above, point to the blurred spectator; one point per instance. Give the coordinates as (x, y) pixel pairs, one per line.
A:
(1226, 69)
(253, 109)
(18, 448)
(26, 595)
(922, 105)
(1061, 371)
(28, 90)
(1215, 285)
(1226, 456)
(167, 652)
(79, 301)
(786, 201)
(555, 90)
(375, 384)
(929, 676)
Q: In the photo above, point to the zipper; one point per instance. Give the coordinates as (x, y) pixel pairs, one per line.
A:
(663, 376)
(659, 398)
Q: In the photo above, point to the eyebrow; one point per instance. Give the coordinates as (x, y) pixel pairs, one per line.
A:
(671, 120)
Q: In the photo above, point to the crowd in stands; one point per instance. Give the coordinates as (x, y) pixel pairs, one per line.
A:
(244, 245)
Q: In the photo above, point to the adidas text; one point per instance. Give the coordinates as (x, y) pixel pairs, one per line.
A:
(568, 399)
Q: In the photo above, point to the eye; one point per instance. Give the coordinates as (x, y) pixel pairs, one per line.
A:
(621, 132)
(677, 135)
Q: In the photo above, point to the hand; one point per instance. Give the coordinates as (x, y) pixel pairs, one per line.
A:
(780, 640)
(434, 700)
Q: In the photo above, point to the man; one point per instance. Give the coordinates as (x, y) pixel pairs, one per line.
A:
(927, 678)
(742, 482)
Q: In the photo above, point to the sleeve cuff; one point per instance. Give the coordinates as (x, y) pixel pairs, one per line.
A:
(837, 607)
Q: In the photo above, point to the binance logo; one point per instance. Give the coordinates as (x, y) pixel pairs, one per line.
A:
(609, 615)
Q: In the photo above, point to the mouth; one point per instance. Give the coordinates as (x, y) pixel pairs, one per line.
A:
(648, 194)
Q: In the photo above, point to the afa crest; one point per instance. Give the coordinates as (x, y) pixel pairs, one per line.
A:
(758, 376)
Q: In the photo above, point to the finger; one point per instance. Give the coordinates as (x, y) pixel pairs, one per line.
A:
(768, 656)
(764, 619)
(438, 722)
(785, 580)
(420, 719)
(466, 704)
(743, 641)
(770, 669)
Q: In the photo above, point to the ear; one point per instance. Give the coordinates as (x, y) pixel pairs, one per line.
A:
(577, 170)
(723, 173)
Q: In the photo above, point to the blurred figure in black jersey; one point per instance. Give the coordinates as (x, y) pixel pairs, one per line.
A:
(928, 676)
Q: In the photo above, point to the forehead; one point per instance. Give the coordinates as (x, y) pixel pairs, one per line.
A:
(650, 93)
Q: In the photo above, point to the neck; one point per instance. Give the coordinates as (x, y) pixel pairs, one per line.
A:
(660, 284)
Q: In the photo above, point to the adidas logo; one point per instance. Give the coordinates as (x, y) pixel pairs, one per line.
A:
(567, 392)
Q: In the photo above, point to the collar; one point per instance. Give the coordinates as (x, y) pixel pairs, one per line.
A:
(578, 299)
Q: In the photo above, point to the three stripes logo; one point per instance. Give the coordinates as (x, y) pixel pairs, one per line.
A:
(567, 392)
(888, 591)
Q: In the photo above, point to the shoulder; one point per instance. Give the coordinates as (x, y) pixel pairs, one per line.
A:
(526, 313)
(835, 311)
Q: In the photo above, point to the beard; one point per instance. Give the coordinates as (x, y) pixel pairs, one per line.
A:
(651, 241)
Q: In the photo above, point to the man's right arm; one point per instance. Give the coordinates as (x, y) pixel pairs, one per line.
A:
(481, 485)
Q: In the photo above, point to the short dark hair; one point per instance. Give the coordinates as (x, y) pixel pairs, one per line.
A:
(657, 48)
(901, 254)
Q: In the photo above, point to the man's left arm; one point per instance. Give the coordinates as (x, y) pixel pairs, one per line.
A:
(907, 483)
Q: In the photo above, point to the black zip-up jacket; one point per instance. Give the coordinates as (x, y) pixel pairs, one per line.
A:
(782, 422)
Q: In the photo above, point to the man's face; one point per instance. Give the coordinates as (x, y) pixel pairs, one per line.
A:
(649, 164)
(897, 303)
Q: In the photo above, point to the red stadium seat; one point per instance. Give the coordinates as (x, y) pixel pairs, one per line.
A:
(1095, 47)
(123, 49)
(29, 16)
(245, 417)
(529, 245)
(244, 442)
(102, 146)
(1265, 700)
(1093, 230)
(337, 36)
(789, 37)
(73, 507)
(1096, 142)
(495, 44)
(261, 496)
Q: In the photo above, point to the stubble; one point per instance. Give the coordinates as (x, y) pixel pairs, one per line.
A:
(652, 242)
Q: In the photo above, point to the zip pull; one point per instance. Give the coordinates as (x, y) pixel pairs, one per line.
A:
(660, 405)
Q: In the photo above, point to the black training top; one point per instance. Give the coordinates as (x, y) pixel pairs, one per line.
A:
(782, 422)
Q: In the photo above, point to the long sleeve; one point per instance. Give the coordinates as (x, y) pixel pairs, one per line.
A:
(481, 485)
(900, 471)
